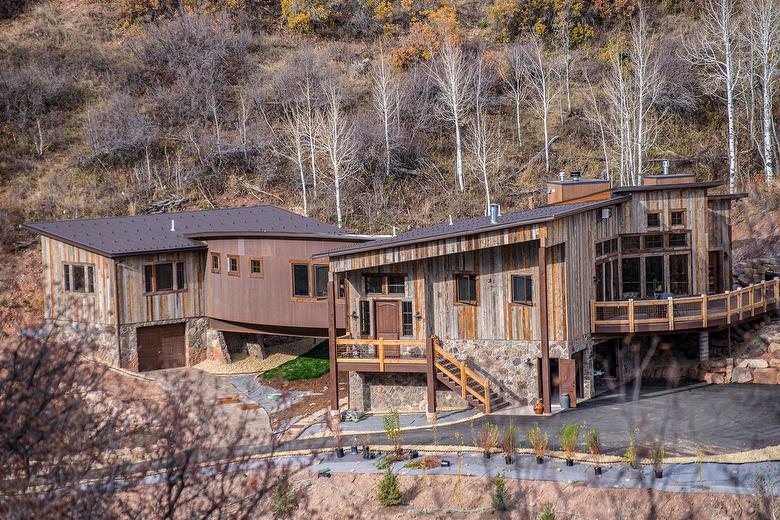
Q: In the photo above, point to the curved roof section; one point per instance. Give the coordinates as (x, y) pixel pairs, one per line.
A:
(178, 231)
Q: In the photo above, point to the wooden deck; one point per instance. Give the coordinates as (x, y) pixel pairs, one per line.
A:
(686, 313)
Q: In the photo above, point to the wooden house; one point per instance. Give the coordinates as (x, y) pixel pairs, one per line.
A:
(168, 290)
(508, 309)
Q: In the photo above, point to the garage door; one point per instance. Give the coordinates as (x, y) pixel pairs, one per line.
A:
(160, 347)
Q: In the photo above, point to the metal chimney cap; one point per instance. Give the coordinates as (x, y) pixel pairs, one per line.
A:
(494, 211)
(575, 176)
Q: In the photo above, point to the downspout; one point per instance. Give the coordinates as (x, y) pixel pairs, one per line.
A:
(117, 313)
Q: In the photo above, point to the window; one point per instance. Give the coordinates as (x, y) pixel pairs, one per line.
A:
(365, 318)
(374, 284)
(320, 281)
(407, 319)
(654, 241)
(215, 267)
(342, 286)
(395, 284)
(78, 278)
(678, 239)
(300, 280)
(678, 274)
(630, 271)
(653, 220)
(654, 276)
(181, 278)
(233, 265)
(160, 277)
(522, 289)
(677, 218)
(256, 267)
(599, 249)
(466, 288)
(630, 243)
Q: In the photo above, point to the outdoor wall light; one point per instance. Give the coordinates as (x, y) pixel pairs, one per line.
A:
(529, 363)
(354, 315)
(417, 315)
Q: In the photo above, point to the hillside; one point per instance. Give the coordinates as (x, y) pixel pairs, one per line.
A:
(126, 106)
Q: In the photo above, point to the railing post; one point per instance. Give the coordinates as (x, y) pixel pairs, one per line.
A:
(487, 396)
(462, 379)
(728, 307)
(631, 315)
(381, 354)
(704, 310)
(592, 316)
(670, 312)
(777, 290)
(763, 294)
(751, 297)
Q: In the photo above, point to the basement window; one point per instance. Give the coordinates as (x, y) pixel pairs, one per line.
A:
(522, 289)
(78, 278)
(466, 288)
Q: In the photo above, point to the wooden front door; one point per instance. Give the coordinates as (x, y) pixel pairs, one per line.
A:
(387, 324)
(160, 347)
(567, 373)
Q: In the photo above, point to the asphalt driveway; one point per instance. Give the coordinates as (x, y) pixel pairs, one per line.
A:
(689, 419)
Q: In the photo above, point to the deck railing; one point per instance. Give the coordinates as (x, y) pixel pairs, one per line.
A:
(381, 351)
(684, 312)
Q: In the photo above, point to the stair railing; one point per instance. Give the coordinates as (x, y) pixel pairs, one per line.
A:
(464, 376)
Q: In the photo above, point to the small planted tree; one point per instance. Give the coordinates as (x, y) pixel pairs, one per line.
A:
(499, 492)
(548, 513)
(283, 500)
(568, 435)
(389, 493)
(393, 431)
(658, 459)
(508, 441)
(594, 447)
(538, 441)
(630, 457)
(488, 439)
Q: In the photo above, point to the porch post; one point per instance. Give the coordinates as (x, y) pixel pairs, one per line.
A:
(543, 327)
(430, 376)
(334, 369)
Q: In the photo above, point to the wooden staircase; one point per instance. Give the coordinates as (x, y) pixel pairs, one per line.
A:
(459, 378)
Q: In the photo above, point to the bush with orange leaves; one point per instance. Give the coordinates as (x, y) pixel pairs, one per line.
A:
(430, 31)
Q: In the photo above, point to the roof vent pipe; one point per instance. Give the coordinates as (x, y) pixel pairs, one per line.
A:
(495, 211)
(450, 220)
(665, 166)
(563, 176)
(173, 225)
(575, 176)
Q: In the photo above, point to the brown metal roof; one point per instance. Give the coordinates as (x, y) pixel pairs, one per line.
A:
(657, 187)
(476, 225)
(143, 234)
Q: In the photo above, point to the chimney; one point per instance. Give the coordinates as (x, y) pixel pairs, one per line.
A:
(173, 225)
(665, 166)
(575, 176)
(495, 211)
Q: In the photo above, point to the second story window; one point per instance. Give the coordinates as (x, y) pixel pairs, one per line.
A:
(215, 263)
(256, 267)
(653, 220)
(320, 281)
(654, 241)
(677, 218)
(164, 277)
(374, 284)
(466, 288)
(233, 265)
(78, 278)
(300, 279)
(522, 289)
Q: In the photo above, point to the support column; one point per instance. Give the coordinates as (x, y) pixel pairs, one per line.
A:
(704, 345)
(430, 375)
(334, 369)
(543, 327)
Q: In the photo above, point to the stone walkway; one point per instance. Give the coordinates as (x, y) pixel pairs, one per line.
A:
(375, 423)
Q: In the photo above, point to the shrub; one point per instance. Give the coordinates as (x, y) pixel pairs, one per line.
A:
(659, 454)
(389, 493)
(568, 435)
(548, 513)
(594, 443)
(537, 440)
(283, 500)
(499, 492)
(508, 440)
(488, 437)
(120, 132)
(630, 457)
(393, 430)
(428, 462)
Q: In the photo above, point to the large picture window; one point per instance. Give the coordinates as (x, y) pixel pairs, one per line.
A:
(309, 280)
(466, 288)
(166, 276)
(631, 276)
(78, 278)
(522, 289)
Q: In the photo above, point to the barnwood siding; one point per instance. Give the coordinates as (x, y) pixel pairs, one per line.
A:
(430, 285)
(139, 307)
(97, 307)
(435, 248)
(694, 201)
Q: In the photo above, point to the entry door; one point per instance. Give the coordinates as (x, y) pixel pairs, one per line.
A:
(387, 316)
(567, 373)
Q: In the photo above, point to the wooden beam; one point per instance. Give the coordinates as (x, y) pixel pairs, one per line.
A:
(334, 372)
(430, 374)
(543, 327)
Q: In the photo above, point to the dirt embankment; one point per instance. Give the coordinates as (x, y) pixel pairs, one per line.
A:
(21, 295)
(354, 496)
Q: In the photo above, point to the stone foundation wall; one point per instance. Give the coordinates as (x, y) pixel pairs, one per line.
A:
(252, 344)
(377, 392)
(101, 339)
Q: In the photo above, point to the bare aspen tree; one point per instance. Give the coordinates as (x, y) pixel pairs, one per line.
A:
(649, 83)
(714, 47)
(764, 24)
(512, 76)
(483, 138)
(539, 74)
(619, 101)
(241, 126)
(386, 101)
(293, 145)
(595, 117)
(338, 142)
(311, 123)
(564, 41)
(451, 73)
